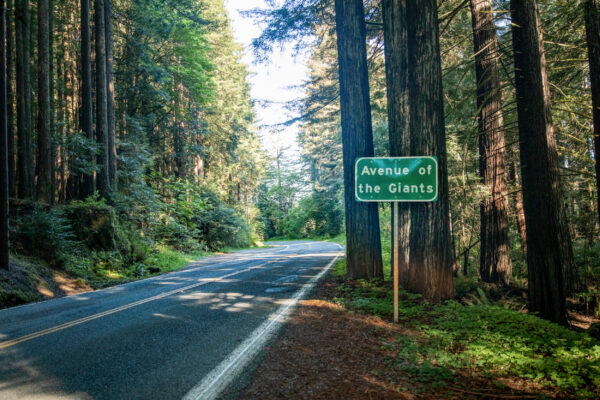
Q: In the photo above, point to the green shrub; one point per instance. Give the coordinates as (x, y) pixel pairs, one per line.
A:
(297, 224)
(43, 232)
(95, 224)
(170, 231)
(465, 286)
(194, 218)
(219, 225)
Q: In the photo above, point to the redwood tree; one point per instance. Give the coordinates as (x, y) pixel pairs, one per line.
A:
(10, 98)
(44, 153)
(431, 257)
(539, 167)
(101, 102)
(3, 147)
(110, 96)
(363, 246)
(416, 113)
(495, 263)
(396, 71)
(25, 169)
(592, 28)
(85, 116)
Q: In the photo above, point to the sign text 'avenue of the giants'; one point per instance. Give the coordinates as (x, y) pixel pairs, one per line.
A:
(396, 179)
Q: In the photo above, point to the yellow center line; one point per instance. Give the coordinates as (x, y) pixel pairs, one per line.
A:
(31, 336)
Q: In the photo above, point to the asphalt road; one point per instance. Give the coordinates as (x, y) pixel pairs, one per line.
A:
(189, 334)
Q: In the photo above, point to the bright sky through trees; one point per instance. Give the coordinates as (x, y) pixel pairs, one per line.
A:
(273, 82)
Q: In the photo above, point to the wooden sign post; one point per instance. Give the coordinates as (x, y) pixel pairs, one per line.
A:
(396, 179)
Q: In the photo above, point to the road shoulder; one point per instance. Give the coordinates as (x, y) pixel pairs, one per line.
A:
(324, 352)
(329, 352)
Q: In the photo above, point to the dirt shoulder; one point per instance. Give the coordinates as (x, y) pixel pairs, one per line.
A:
(324, 352)
(328, 352)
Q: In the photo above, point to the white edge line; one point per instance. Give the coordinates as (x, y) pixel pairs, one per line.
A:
(220, 377)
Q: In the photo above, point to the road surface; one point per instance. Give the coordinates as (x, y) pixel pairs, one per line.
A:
(191, 334)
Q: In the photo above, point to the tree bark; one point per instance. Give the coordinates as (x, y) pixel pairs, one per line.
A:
(431, 257)
(86, 123)
(517, 197)
(10, 98)
(24, 132)
(539, 167)
(363, 246)
(396, 70)
(110, 96)
(52, 77)
(4, 245)
(44, 153)
(570, 279)
(592, 29)
(416, 126)
(101, 103)
(495, 264)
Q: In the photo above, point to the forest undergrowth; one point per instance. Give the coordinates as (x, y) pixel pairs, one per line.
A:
(477, 339)
(486, 331)
(95, 243)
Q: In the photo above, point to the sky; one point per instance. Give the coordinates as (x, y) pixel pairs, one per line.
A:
(274, 80)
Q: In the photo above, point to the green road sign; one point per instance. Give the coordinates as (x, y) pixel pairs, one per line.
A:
(396, 179)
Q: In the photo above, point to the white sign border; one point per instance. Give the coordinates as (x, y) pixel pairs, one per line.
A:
(437, 180)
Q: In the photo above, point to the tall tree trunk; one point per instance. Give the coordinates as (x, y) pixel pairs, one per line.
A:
(539, 166)
(363, 246)
(101, 104)
(86, 116)
(51, 74)
(44, 153)
(24, 131)
(517, 197)
(396, 70)
(495, 263)
(592, 29)
(3, 147)
(74, 184)
(431, 257)
(570, 279)
(10, 98)
(110, 96)
(60, 115)
(416, 118)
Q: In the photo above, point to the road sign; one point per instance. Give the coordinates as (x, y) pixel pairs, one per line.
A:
(396, 179)
(413, 179)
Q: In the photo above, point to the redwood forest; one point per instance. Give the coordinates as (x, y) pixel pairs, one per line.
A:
(133, 146)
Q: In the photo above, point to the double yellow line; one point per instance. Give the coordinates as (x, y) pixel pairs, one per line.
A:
(25, 338)
(80, 321)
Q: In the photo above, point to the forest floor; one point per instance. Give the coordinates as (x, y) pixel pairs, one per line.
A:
(329, 351)
(29, 280)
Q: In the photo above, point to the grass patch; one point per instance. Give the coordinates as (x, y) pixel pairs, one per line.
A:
(101, 269)
(167, 260)
(487, 340)
(256, 245)
(339, 239)
(340, 268)
(374, 298)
